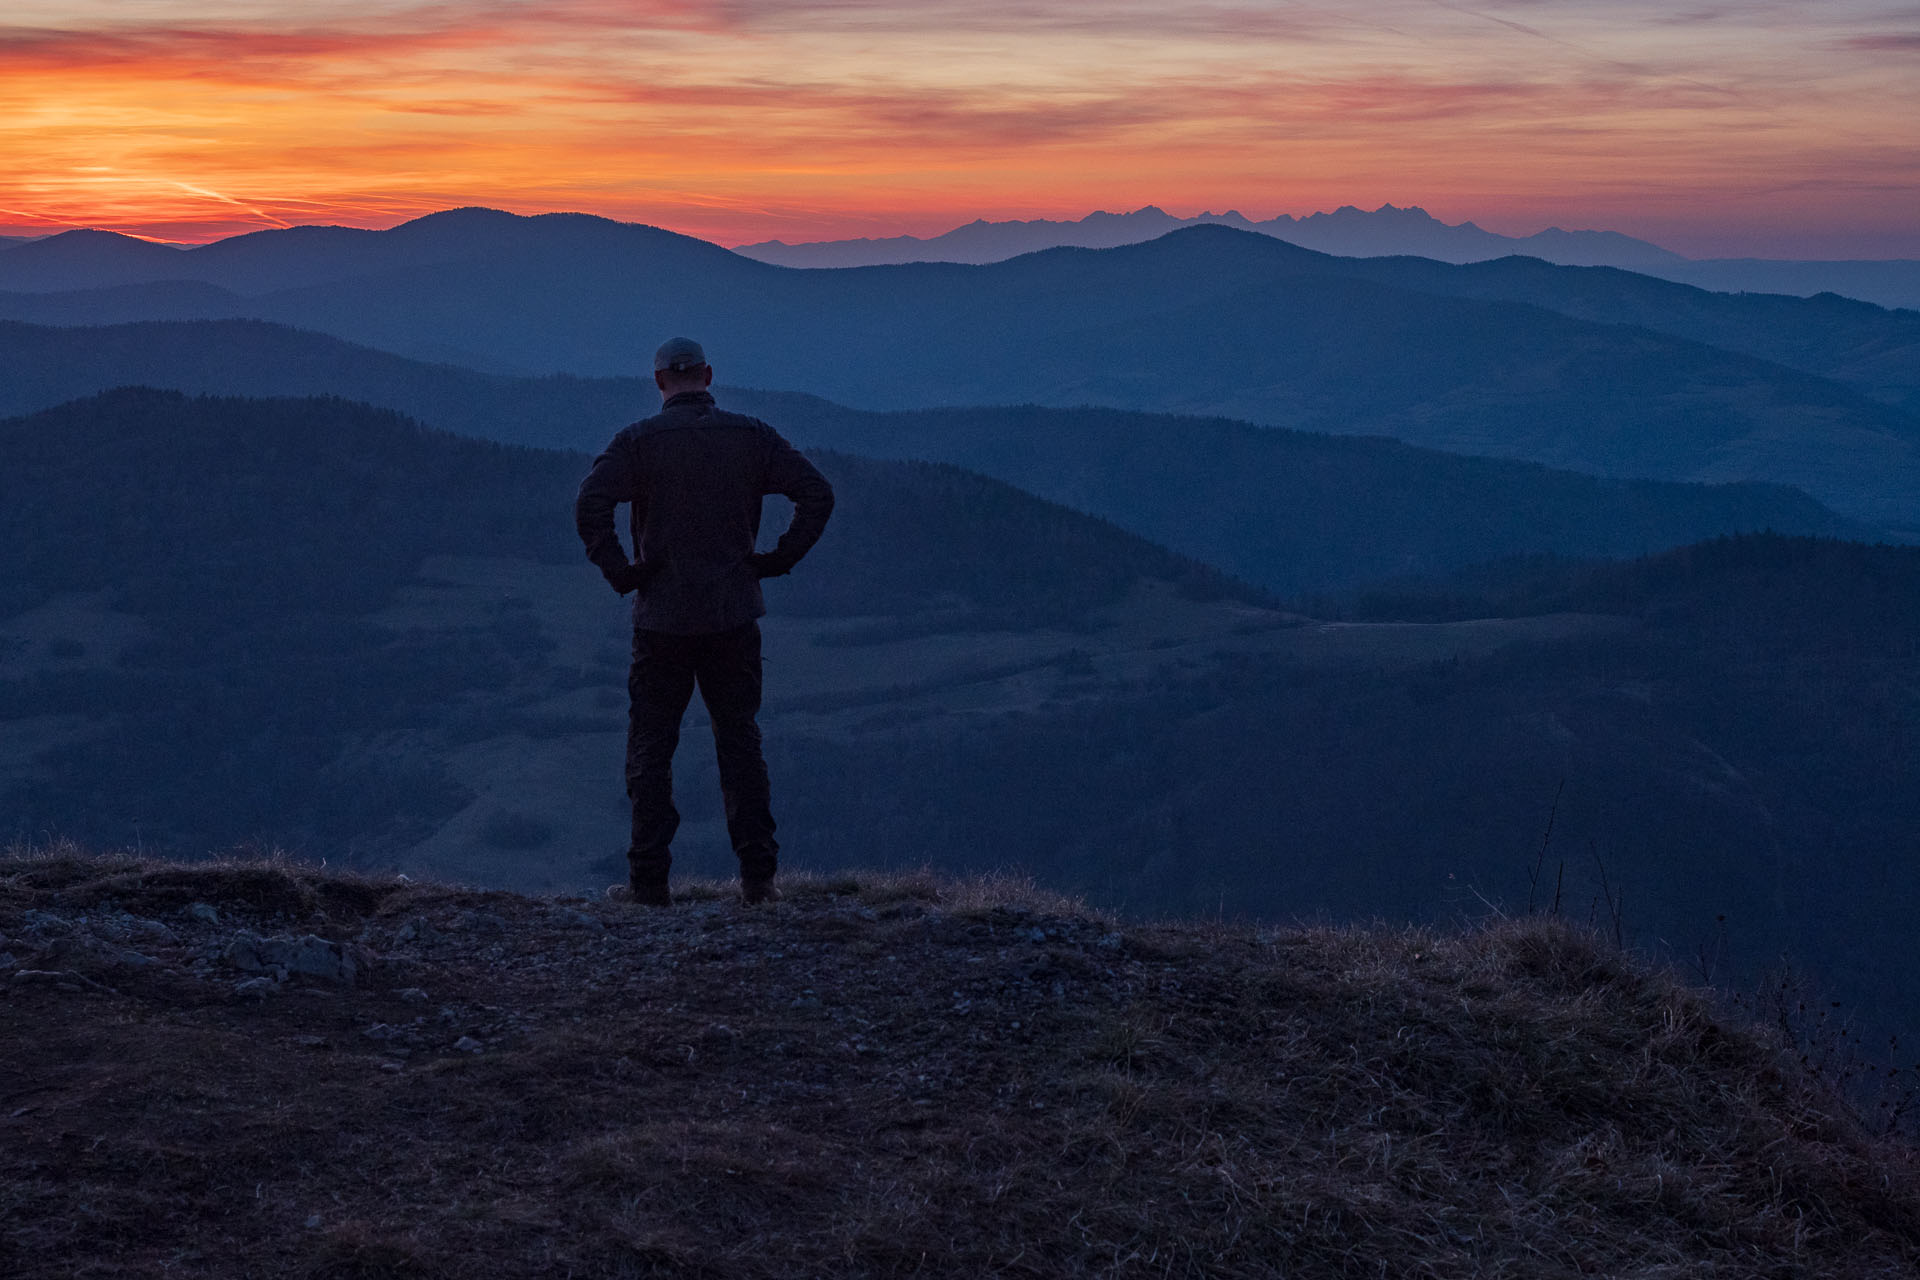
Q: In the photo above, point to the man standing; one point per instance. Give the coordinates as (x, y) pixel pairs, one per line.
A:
(695, 475)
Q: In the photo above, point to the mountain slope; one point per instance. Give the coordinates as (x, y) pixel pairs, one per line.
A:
(1886, 283)
(1294, 512)
(87, 260)
(1851, 342)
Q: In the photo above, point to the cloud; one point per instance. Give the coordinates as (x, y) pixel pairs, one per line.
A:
(1893, 42)
(791, 111)
(195, 50)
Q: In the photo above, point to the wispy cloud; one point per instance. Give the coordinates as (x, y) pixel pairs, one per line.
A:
(1891, 42)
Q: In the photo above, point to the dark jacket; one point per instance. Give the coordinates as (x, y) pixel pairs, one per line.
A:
(695, 475)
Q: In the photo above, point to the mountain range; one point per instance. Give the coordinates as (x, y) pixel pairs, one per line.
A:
(1633, 378)
(1347, 231)
(1356, 233)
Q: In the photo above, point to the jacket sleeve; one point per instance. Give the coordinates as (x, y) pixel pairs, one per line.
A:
(613, 480)
(792, 476)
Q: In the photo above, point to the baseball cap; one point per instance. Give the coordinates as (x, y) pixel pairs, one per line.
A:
(678, 353)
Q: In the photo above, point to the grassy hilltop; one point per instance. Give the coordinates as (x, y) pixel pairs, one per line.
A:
(261, 1069)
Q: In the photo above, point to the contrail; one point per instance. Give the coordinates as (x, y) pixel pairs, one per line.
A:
(261, 214)
(1525, 30)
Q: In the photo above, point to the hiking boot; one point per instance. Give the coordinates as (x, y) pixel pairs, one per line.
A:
(641, 893)
(758, 893)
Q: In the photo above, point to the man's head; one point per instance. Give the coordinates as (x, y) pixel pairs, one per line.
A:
(681, 365)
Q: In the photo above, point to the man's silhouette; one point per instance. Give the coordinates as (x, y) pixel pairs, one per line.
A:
(695, 475)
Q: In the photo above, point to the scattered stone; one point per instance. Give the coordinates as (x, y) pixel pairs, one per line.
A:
(83, 952)
(203, 912)
(412, 995)
(8, 960)
(313, 1042)
(310, 956)
(313, 1223)
(420, 930)
(44, 922)
(568, 918)
(467, 1044)
(258, 988)
(479, 921)
(152, 930)
(393, 1068)
(382, 1031)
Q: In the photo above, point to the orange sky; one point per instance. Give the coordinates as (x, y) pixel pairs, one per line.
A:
(1769, 128)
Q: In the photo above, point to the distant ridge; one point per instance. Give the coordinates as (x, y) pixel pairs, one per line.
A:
(1388, 231)
(286, 258)
(1346, 232)
(257, 262)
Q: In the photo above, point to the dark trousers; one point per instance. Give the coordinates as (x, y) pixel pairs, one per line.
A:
(726, 666)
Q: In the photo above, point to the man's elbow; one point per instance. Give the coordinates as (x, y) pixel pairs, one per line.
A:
(593, 520)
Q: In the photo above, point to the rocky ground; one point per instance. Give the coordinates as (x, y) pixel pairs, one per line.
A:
(263, 1069)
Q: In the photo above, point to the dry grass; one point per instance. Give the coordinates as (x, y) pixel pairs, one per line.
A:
(885, 1076)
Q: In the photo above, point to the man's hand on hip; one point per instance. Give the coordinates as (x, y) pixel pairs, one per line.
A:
(767, 565)
(632, 577)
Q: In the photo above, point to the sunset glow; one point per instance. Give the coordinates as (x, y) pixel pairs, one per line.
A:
(1773, 129)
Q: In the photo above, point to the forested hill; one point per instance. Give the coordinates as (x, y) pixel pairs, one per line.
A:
(1301, 512)
(1293, 511)
(228, 506)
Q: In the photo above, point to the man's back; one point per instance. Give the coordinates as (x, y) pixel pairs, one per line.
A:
(695, 475)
